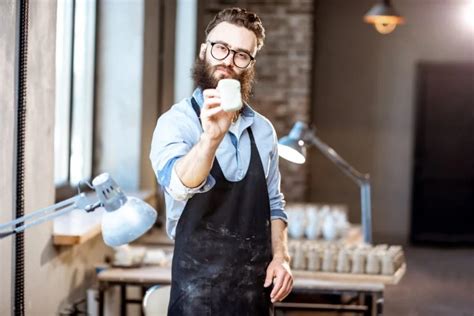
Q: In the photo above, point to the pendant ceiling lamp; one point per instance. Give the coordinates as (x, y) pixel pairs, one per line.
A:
(384, 17)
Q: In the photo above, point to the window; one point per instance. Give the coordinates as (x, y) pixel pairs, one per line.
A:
(75, 64)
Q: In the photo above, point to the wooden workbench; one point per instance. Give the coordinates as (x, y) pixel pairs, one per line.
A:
(366, 296)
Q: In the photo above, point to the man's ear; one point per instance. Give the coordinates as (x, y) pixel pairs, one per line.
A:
(202, 51)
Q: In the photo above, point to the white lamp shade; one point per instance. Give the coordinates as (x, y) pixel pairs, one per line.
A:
(292, 147)
(291, 154)
(128, 222)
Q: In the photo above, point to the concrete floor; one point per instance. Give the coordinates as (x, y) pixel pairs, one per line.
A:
(439, 281)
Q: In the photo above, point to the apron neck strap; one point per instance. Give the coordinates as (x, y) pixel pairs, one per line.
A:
(196, 108)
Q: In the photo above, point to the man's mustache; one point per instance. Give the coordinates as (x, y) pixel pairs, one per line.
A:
(228, 69)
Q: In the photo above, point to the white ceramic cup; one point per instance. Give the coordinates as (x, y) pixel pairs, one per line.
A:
(229, 90)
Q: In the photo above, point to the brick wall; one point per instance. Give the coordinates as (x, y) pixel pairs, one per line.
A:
(282, 91)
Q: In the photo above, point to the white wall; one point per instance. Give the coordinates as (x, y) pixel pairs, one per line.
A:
(119, 90)
(186, 23)
(7, 119)
(365, 98)
(54, 276)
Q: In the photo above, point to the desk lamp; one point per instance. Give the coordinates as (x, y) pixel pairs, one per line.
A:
(126, 218)
(293, 148)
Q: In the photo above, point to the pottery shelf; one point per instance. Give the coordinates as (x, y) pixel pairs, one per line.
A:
(351, 277)
(352, 237)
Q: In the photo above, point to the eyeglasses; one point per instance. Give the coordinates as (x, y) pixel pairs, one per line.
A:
(220, 52)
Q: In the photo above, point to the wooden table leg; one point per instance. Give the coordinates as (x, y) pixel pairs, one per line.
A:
(123, 300)
(379, 304)
(101, 301)
(369, 303)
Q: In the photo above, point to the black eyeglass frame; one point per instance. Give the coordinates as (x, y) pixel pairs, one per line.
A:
(228, 52)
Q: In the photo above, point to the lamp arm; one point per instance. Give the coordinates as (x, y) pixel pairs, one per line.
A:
(79, 201)
(362, 180)
(332, 155)
(40, 212)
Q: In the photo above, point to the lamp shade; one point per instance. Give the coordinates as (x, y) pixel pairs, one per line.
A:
(384, 17)
(126, 218)
(292, 147)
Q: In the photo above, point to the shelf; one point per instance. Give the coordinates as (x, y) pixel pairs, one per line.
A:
(155, 237)
(352, 237)
(350, 277)
(77, 227)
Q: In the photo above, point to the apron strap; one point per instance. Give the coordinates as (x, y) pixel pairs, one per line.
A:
(196, 108)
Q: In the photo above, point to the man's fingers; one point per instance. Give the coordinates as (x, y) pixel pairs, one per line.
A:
(277, 284)
(210, 93)
(211, 103)
(283, 289)
(288, 289)
(211, 112)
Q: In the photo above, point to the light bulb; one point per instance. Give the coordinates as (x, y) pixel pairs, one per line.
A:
(384, 28)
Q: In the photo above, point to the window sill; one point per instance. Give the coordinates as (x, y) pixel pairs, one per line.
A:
(76, 227)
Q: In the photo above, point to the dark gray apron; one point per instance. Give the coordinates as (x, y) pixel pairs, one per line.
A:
(223, 246)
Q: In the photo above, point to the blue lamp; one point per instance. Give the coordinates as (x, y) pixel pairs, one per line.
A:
(293, 148)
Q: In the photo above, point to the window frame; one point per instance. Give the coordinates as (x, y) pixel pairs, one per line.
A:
(75, 81)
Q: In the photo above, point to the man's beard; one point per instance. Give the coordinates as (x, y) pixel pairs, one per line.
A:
(203, 75)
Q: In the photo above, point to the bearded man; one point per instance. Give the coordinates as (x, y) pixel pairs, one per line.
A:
(220, 175)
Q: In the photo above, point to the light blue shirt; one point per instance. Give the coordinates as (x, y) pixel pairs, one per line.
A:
(179, 129)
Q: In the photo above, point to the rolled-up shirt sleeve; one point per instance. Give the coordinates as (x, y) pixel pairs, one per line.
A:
(277, 201)
(180, 192)
(173, 138)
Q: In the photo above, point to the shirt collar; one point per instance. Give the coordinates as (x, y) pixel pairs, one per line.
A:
(247, 111)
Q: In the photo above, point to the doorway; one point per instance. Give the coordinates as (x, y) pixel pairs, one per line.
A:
(443, 174)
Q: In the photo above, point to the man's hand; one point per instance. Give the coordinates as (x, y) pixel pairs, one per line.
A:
(215, 122)
(279, 273)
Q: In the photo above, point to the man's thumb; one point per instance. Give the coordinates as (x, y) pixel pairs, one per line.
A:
(268, 279)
